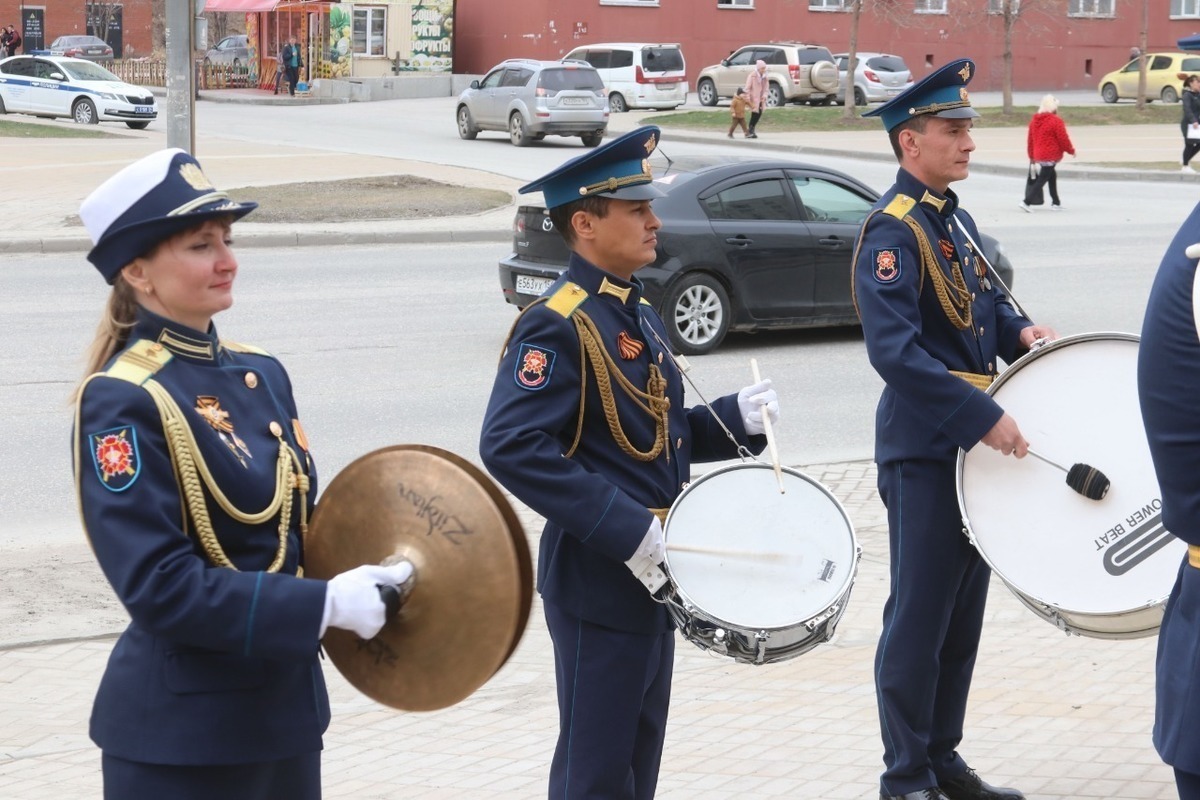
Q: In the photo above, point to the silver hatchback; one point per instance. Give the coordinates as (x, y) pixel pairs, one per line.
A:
(534, 99)
(878, 77)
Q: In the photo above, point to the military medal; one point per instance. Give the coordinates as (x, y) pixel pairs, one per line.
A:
(209, 408)
(629, 347)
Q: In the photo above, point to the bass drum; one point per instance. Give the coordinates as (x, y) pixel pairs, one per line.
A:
(1100, 568)
(756, 574)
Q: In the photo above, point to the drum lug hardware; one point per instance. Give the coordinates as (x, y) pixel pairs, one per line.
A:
(760, 654)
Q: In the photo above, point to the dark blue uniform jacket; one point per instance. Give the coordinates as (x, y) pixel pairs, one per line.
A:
(217, 666)
(925, 412)
(595, 503)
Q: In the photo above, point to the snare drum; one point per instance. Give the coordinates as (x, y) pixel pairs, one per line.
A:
(1100, 568)
(754, 574)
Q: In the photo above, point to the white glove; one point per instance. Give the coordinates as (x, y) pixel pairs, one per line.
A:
(649, 554)
(353, 602)
(751, 402)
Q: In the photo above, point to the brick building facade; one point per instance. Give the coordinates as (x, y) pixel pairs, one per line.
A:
(42, 21)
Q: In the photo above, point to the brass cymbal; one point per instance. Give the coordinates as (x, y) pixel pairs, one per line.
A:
(473, 584)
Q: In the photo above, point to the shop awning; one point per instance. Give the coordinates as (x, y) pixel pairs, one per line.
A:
(243, 6)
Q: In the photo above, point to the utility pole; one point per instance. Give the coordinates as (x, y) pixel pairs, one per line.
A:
(181, 74)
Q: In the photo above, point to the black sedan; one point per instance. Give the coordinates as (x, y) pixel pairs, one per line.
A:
(746, 245)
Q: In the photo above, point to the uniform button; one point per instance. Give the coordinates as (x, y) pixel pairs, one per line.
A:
(660, 358)
(972, 297)
(276, 429)
(251, 380)
(156, 347)
(679, 443)
(981, 330)
(991, 367)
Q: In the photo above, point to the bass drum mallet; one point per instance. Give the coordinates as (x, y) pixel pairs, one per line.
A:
(1083, 478)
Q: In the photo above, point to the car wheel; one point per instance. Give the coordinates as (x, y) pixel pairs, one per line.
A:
(592, 139)
(706, 92)
(1169, 95)
(516, 130)
(860, 99)
(84, 112)
(824, 76)
(774, 96)
(616, 103)
(1108, 92)
(466, 128)
(138, 126)
(697, 313)
(3, 110)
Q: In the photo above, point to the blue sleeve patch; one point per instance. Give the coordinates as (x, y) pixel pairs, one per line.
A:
(534, 365)
(115, 457)
(887, 264)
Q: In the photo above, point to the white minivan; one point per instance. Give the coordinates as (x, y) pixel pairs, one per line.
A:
(638, 75)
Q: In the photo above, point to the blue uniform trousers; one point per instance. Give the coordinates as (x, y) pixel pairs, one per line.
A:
(296, 778)
(931, 626)
(614, 689)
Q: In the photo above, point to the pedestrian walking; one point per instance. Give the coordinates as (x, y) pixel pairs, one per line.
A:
(737, 110)
(1190, 124)
(756, 88)
(195, 483)
(935, 328)
(1046, 142)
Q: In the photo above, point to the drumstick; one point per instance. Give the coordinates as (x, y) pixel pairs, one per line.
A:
(766, 421)
(718, 551)
(1083, 478)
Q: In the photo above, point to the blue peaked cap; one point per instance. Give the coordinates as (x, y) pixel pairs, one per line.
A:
(619, 169)
(942, 93)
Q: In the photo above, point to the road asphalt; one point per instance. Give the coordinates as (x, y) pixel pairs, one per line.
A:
(1062, 717)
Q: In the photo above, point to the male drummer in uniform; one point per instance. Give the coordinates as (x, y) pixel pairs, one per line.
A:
(586, 425)
(1168, 384)
(934, 325)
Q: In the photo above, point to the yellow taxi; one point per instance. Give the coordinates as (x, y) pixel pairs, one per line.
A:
(1164, 77)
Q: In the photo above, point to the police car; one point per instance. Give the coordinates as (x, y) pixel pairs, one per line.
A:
(57, 86)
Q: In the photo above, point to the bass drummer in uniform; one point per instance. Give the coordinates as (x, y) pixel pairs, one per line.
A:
(587, 425)
(935, 327)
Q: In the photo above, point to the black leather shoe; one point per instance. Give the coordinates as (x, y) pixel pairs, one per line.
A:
(970, 786)
(924, 794)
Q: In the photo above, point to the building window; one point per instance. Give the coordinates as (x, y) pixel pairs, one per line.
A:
(827, 5)
(731, 3)
(997, 6)
(370, 23)
(629, 2)
(930, 6)
(1185, 8)
(1091, 8)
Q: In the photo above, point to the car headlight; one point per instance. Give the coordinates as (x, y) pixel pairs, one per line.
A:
(108, 95)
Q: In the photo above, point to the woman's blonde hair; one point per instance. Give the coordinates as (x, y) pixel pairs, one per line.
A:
(1049, 105)
(112, 334)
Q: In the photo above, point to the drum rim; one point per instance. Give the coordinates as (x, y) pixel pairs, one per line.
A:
(960, 464)
(844, 589)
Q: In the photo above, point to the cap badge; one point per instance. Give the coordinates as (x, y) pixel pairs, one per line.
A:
(650, 144)
(965, 73)
(962, 95)
(195, 178)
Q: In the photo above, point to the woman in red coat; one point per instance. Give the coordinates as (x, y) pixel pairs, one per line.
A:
(1046, 143)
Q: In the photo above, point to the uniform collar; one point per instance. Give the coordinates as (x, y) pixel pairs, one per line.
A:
(182, 341)
(941, 204)
(599, 283)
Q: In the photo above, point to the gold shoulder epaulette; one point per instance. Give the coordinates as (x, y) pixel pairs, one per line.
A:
(567, 298)
(900, 206)
(139, 362)
(238, 347)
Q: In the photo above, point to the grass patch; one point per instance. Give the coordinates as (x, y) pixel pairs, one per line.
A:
(51, 130)
(830, 118)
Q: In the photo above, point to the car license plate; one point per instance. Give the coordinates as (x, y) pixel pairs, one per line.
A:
(575, 101)
(527, 284)
(143, 109)
(893, 92)
(668, 87)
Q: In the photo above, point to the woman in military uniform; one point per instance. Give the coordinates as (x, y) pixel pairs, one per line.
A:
(195, 484)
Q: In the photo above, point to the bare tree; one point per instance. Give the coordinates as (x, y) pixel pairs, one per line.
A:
(1141, 97)
(895, 14)
(1018, 20)
(100, 18)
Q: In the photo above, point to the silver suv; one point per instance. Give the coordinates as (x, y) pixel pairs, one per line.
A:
(797, 73)
(534, 99)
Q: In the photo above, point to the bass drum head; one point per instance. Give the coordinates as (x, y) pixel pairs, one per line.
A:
(1102, 567)
(756, 559)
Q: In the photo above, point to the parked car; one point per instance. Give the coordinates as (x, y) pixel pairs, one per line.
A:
(1163, 77)
(638, 75)
(746, 245)
(878, 77)
(232, 50)
(52, 86)
(535, 99)
(797, 72)
(93, 48)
